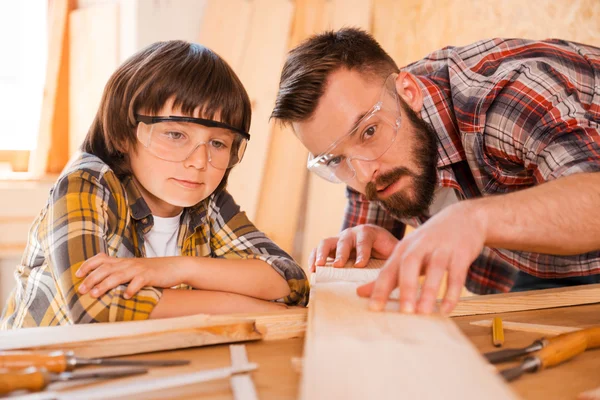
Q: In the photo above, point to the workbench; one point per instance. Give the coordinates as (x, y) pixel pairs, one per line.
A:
(276, 377)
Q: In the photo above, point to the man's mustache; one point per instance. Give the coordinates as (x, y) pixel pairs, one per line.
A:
(386, 180)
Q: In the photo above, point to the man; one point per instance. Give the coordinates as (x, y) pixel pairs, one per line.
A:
(492, 149)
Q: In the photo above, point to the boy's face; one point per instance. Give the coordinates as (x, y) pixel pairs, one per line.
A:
(169, 186)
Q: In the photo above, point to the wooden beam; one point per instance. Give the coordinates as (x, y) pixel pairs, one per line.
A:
(352, 353)
(551, 330)
(287, 324)
(530, 300)
(123, 338)
(51, 152)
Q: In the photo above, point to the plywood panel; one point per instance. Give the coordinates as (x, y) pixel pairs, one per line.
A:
(94, 57)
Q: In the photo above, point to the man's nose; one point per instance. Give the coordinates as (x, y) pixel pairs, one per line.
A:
(365, 170)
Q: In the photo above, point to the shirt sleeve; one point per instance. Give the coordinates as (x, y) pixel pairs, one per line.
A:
(81, 220)
(233, 236)
(360, 211)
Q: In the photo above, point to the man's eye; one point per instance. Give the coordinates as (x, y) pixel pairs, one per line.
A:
(369, 132)
(334, 162)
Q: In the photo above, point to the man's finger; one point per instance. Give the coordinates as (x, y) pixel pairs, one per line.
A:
(435, 269)
(408, 279)
(344, 246)
(325, 247)
(311, 260)
(456, 280)
(366, 289)
(364, 246)
(385, 283)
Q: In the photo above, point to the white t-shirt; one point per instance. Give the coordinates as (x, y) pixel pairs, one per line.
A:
(161, 240)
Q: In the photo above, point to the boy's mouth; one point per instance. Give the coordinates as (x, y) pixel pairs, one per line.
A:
(187, 184)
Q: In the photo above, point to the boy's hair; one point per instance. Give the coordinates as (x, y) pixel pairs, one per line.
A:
(193, 75)
(308, 66)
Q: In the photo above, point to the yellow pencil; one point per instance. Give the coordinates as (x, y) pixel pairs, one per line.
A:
(497, 332)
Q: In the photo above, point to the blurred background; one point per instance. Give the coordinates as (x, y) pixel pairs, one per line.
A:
(58, 54)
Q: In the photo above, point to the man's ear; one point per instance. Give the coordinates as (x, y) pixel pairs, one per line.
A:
(409, 90)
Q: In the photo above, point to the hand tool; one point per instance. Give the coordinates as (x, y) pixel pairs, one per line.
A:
(499, 356)
(36, 379)
(60, 361)
(556, 351)
(497, 332)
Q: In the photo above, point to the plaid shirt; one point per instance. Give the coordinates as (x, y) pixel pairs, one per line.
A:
(509, 114)
(91, 211)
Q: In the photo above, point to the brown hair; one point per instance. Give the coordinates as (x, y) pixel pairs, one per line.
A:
(193, 75)
(308, 66)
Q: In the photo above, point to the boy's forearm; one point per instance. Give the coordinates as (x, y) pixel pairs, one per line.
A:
(253, 278)
(178, 303)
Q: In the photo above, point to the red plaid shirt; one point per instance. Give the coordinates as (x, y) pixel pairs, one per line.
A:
(509, 114)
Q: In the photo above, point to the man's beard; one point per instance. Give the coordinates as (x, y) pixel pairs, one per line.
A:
(403, 205)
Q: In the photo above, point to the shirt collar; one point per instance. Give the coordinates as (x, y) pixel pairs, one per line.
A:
(437, 112)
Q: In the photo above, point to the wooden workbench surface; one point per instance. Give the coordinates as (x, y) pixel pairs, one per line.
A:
(277, 379)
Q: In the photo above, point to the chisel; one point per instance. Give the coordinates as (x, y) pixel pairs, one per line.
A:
(60, 361)
(556, 351)
(36, 379)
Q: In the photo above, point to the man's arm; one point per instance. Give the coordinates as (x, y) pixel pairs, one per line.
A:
(559, 217)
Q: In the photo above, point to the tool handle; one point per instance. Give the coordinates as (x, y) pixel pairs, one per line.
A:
(593, 337)
(30, 379)
(53, 362)
(562, 348)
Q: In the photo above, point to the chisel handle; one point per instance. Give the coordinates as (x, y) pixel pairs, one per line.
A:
(566, 346)
(30, 379)
(53, 362)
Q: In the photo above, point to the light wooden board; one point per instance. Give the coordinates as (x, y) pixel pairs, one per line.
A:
(122, 338)
(260, 59)
(50, 154)
(285, 174)
(526, 327)
(94, 56)
(287, 324)
(352, 353)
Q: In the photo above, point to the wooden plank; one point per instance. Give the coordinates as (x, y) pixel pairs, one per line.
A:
(261, 59)
(285, 174)
(94, 56)
(353, 353)
(531, 300)
(50, 153)
(122, 338)
(287, 324)
(526, 327)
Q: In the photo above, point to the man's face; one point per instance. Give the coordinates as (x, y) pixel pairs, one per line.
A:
(404, 177)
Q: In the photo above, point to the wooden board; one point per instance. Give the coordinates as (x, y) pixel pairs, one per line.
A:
(285, 174)
(551, 330)
(94, 56)
(122, 338)
(279, 325)
(50, 154)
(352, 353)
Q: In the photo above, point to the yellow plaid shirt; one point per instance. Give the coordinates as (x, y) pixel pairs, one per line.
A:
(89, 211)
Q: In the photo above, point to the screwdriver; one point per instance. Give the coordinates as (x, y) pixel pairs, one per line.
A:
(36, 379)
(558, 350)
(60, 361)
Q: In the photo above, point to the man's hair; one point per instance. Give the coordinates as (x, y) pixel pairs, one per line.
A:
(193, 75)
(308, 66)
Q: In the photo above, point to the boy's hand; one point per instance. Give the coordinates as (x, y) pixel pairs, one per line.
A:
(103, 273)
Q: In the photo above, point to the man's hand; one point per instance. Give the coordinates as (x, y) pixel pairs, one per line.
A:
(448, 242)
(364, 241)
(105, 273)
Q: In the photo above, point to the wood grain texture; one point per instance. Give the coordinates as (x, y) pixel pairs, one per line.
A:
(51, 151)
(122, 338)
(352, 353)
(547, 330)
(531, 300)
(287, 324)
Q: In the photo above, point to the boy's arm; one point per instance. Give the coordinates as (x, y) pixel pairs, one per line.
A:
(177, 303)
(236, 242)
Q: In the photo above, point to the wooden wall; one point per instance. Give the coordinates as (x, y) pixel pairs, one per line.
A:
(295, 208)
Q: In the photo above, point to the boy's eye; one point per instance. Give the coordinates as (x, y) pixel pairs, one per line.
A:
(174, 135)
(218, 145)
